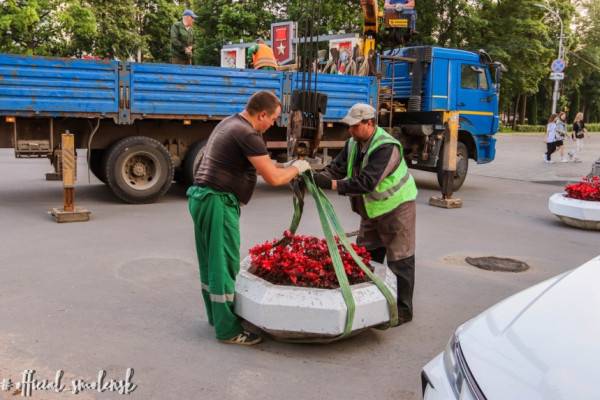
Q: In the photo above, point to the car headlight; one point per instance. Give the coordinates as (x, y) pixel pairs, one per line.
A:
(461, 380)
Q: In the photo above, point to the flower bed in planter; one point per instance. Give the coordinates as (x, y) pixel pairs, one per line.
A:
(579, 206)
(299, 298)
(304, 261)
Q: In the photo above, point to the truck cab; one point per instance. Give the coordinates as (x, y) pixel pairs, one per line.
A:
(420, 85)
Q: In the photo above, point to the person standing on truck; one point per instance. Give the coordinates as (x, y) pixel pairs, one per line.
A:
(371, 170)
(182, 39)
(261, 56)
(225, 180)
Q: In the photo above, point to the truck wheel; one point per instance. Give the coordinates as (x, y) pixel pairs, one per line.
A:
(190, 162)
(96, 164)
(138, 169)
(462, 167)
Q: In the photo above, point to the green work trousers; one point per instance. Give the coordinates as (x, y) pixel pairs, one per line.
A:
(216, 218)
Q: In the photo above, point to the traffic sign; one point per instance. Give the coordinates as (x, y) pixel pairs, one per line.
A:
(558, 65)
(557, 76)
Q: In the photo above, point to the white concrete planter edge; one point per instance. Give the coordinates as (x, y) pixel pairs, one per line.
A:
(297, 312)
(578, 213)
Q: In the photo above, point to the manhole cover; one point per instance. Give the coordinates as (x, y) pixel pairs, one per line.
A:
(498, 264)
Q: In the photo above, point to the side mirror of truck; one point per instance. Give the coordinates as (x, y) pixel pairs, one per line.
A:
(499, 68)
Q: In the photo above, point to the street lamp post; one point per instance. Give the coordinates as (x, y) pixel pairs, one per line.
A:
(555, 14)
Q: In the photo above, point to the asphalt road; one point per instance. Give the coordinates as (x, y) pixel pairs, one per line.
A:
(121, 291)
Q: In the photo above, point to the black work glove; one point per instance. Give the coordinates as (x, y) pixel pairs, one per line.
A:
(323, 181)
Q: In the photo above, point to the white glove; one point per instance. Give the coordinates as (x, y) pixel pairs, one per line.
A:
(399, 7)
(301, 165)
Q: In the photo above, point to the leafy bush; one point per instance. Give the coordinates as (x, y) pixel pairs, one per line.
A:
(591, 127)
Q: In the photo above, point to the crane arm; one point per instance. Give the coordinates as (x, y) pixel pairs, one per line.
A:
(371, 17)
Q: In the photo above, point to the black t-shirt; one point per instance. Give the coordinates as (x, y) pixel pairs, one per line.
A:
(578, 127)
(225, 166)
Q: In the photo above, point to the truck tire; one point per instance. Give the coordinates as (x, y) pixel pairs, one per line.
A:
(138, 169)
(190, 162)
(96, 164)
(462, 167)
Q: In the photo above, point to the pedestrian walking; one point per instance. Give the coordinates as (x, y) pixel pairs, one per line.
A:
(561, 135)
(579, 132)
(224, 181)
(550, 138)
(373, 173)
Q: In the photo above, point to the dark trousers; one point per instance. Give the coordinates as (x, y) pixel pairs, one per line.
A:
(404, 270)
(550, 148)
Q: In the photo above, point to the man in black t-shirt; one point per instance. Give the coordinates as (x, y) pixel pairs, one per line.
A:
(226, 178)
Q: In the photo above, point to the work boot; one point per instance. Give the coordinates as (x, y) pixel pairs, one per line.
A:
(245, 339)
(405, 280)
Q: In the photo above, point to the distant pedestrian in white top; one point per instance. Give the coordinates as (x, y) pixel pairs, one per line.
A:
(550, 138)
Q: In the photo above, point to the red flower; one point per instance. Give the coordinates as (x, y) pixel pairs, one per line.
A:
(304, 261)
(588, 189)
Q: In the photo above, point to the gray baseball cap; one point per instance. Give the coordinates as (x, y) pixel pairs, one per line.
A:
(189, 13)
(357, 113)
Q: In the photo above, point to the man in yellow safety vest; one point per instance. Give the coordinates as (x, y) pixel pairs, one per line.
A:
(371, 170)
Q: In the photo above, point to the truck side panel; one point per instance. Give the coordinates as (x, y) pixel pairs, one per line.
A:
(34, 86)
(343, 91)
(164, 90)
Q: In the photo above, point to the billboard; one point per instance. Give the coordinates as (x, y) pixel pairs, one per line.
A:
(282, 39)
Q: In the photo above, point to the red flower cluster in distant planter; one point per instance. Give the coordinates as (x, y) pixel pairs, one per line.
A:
(588, 189)
(304, 261)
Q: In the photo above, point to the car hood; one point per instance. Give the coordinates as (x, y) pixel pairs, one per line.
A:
(542, 343)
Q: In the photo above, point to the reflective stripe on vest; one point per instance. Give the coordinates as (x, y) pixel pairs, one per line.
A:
(264, 57)
(389, 192)
(395, 189)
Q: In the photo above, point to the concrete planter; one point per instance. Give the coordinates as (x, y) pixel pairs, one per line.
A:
(578, 213)
(290, 312)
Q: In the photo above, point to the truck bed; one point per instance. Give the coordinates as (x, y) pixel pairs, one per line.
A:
(44, 86)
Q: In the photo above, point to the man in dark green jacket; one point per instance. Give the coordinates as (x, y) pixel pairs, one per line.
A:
(182, 39)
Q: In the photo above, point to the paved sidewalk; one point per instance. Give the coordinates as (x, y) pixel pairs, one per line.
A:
(521, 157)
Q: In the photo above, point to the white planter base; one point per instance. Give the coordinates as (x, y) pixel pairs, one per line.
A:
(578, 213)
(290, 312)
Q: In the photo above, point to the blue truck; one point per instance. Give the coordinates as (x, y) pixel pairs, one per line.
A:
(144, 125)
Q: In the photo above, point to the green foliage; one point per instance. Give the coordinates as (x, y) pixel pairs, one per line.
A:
(448, 23)
(46, 27)
(591, 127)
(523, 129)
(154, 20)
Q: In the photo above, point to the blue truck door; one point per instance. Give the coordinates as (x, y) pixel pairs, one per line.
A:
(476, 99)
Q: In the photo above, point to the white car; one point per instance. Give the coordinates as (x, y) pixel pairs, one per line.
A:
(542, 343)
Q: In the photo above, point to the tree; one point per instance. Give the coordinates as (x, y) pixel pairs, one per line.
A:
(448, 23)
(119, 29)
(47, 27)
